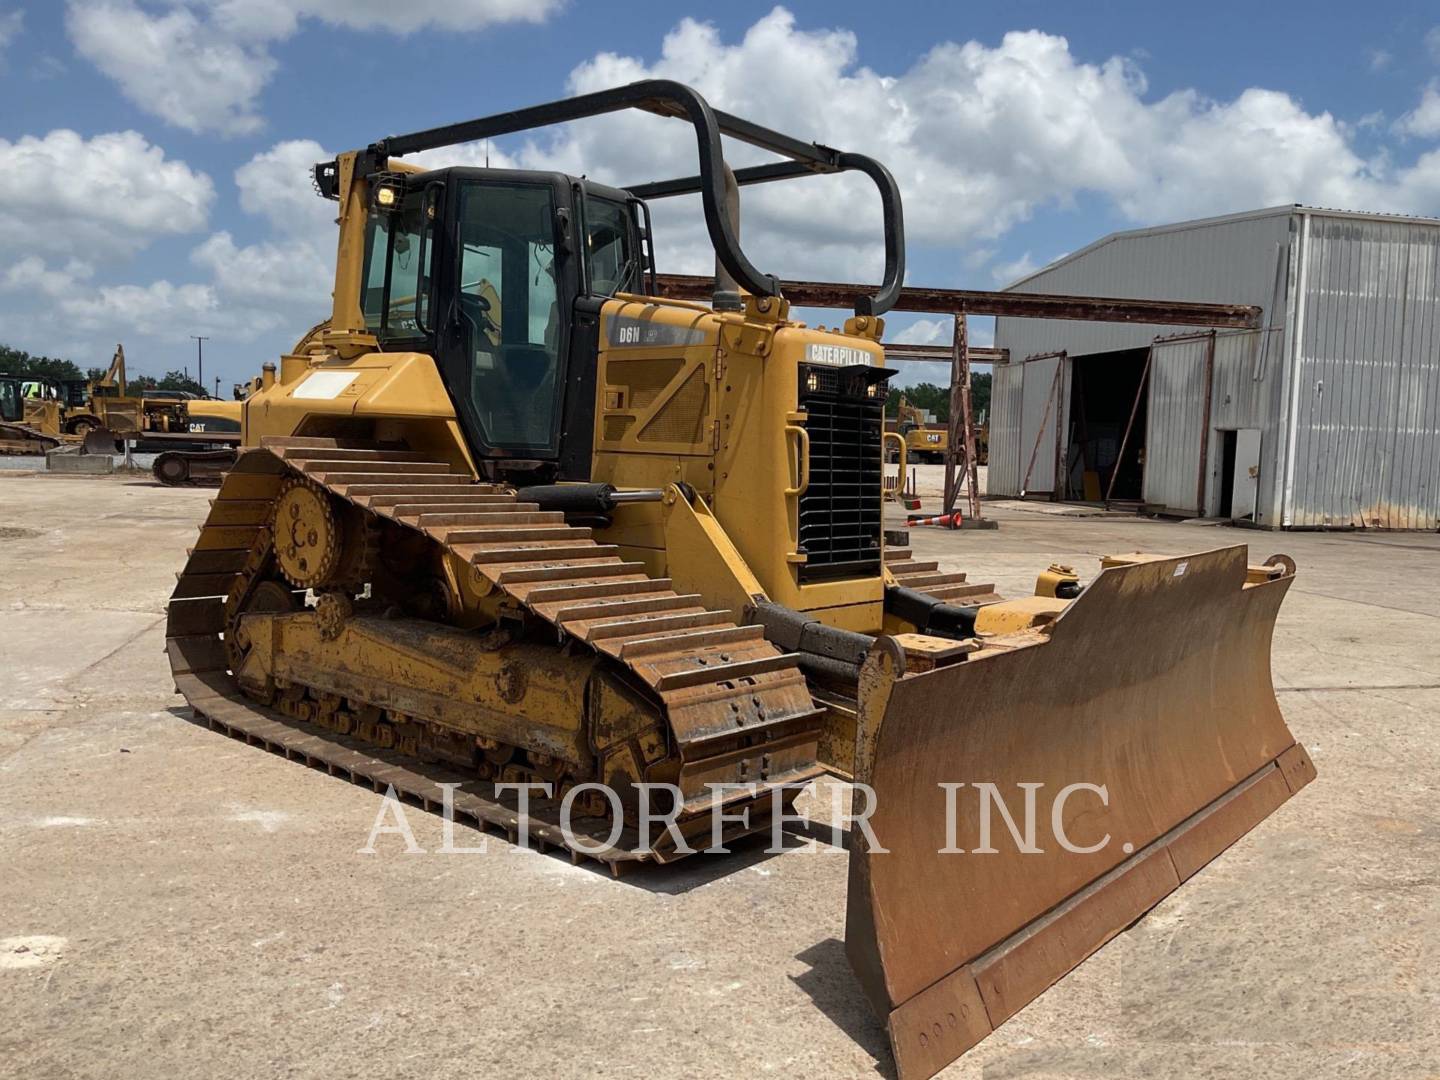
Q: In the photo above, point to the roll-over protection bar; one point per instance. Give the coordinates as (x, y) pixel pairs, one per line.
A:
(664, 97)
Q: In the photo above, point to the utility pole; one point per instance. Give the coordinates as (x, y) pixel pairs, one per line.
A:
(217, 386)
(200, 359)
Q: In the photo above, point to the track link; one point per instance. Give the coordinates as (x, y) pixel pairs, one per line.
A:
(25, 439)
(713, 679)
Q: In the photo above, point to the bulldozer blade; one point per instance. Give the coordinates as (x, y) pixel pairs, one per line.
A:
(101, 441)
(1154, 687)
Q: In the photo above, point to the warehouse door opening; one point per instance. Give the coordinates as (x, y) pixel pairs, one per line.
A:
(1239, 472)
(1105, 392)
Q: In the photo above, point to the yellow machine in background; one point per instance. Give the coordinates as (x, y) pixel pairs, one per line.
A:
(32, 414)
(510, 517)
(924, 440)
(192, 433)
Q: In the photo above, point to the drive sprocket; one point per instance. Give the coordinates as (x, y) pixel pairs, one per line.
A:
(308, 541)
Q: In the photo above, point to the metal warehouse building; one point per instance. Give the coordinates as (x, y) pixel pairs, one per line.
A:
(1327, 416)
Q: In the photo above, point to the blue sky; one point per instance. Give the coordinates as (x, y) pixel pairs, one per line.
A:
(152, 152)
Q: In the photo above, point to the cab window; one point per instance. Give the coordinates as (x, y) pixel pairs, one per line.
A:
(9, 400)
(398, 251)
(611, 246)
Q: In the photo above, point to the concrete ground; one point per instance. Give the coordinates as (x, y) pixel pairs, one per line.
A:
(175, 904)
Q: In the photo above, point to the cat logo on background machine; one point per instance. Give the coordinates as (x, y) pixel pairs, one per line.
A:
(510, 516)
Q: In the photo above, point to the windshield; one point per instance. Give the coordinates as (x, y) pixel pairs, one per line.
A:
(611, 241)
(509, 303)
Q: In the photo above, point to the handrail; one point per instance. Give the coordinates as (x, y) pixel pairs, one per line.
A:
(665, 97)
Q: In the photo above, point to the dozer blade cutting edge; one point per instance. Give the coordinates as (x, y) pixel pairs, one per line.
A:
(1154, 685)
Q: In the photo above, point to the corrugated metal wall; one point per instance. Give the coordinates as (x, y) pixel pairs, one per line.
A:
(1244, 373)
(1042, 419)
(1006, 390)
(1248, 366)
(1366, 384)
(1345, 391)
(1173, 424)
(1231, 261)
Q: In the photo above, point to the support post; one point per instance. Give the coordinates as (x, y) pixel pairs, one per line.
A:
(972, 460)
(1205, 413)
(954, 423)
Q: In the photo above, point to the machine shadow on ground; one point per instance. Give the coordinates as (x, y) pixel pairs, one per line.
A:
(671, 879)
(831, 985)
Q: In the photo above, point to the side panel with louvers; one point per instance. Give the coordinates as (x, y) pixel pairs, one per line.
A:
(840, 512)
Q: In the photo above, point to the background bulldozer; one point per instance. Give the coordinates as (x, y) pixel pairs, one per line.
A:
(509, 517)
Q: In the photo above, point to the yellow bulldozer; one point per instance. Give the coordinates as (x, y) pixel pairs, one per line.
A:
(32, 413)
(510, 517)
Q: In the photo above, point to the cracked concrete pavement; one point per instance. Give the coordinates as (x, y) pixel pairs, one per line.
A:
(176, 904)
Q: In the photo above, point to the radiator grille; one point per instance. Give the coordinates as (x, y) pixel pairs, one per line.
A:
(840, 512)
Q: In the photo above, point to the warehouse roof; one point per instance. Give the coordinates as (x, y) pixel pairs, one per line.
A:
(1284, 209)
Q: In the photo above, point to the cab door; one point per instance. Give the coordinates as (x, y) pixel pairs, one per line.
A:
(512, 284)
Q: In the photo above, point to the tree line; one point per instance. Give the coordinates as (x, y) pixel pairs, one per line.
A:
(27, 366)
(936, 399)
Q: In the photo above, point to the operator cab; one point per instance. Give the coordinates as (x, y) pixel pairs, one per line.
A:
(12, 407)
(499, 274)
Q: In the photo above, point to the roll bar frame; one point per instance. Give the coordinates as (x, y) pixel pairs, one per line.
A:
(664, 97)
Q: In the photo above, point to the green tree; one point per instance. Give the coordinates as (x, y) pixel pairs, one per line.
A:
(178, 380)
(980, 393)
(936, 399)
(19, 362)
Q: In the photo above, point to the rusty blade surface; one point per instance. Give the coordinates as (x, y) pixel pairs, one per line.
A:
(1154, 684)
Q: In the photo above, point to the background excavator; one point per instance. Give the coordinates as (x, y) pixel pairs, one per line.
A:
(192, 434)
(924, 439)
(509, 516)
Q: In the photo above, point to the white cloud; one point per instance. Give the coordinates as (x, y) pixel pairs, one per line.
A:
(418, 14)
(1379, 59)
(1423, 121)
(277, 185)
(248, 290)
(160, 309)
(101, 197)
(31, 276)
(925, 332)
(11, 25)
(174, 64)
(980, 137)
(1014, 270)
(293, 273)
(202, 64)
